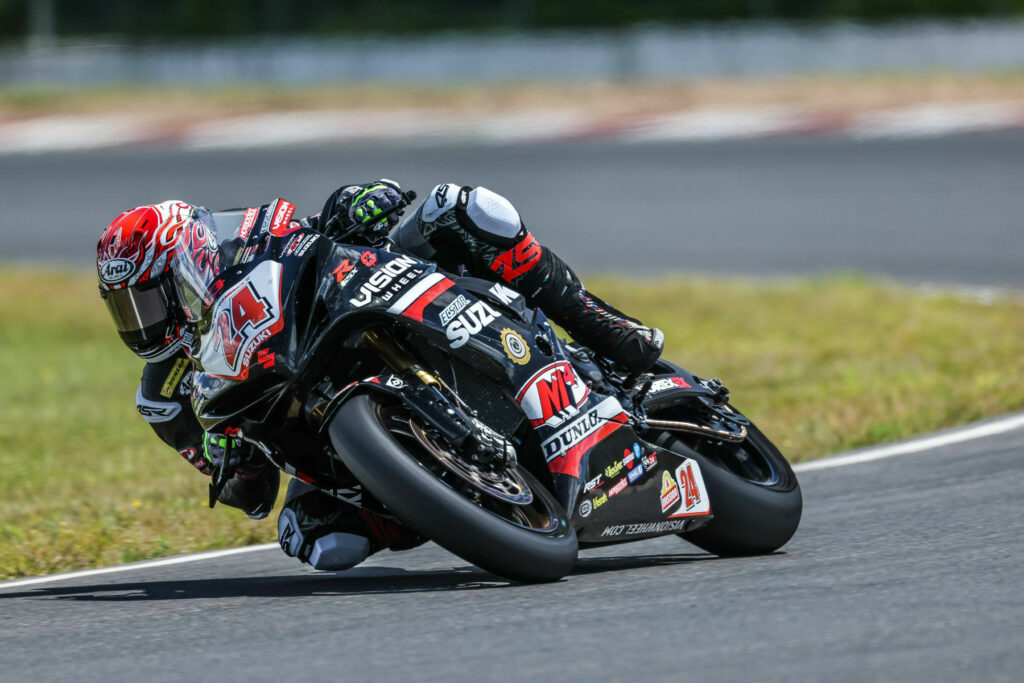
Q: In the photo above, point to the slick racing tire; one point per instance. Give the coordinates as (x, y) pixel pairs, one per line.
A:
(755, 497)
(372, 443)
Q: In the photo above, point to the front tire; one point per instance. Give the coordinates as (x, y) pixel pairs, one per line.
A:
(422, 500)
(755, 497)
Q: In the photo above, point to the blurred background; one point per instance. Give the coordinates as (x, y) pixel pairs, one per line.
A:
(819, 201)
(761, 136)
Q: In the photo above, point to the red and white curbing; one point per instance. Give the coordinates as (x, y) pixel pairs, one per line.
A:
(425, 127)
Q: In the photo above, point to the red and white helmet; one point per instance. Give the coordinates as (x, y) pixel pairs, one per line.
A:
(135, 260)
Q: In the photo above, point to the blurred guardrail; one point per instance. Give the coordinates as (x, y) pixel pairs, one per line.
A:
(763, 49)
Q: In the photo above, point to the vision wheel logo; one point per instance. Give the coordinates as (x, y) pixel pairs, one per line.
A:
(515, 346)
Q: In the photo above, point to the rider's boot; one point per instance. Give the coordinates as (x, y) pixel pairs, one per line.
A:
(330, 534)
(482, 230)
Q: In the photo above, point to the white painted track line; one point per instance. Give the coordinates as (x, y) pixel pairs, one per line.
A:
(149, 564)
(954, 436)
(959, 435)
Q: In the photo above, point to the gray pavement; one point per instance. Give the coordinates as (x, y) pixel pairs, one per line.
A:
(945, 209)
(905, 569)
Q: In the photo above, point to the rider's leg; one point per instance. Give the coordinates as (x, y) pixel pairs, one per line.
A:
(330, 534)
(482, 230)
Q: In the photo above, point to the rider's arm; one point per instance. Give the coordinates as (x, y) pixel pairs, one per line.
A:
(163, 400)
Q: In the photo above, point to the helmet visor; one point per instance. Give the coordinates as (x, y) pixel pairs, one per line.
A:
(139, 314)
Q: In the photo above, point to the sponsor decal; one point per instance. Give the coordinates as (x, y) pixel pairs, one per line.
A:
(304, 247)
(293, 242)
(645, 528)
(553, 395)
(174, 377)
(613, 469)
(515, 346)
(564, 449)
(695, 499)
(368, 259)
(628, 457)
(116, 270)
(453, 309)
(635, 473)
(503, 293)
(265, 359)
(586, 507)
(518, 260)
(669, 492)
(387, 280)
(395, 382)
(593, 483)
(244, 316)
(344, 269)
(299, 244)
(600, 500)
(469, 322)
(666, 383)
(155, 412)
(247, 222)
(281, 226)
(650, 461)
(615, 490)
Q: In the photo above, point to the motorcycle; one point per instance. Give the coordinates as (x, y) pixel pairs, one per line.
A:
(446, 402)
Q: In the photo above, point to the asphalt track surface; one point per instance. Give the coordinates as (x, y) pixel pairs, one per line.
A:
(944, 209)
(904, 569)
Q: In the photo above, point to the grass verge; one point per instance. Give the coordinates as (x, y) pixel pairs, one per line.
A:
(822, 365)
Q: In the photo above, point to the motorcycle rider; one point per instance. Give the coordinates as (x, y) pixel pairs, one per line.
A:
(456, 226)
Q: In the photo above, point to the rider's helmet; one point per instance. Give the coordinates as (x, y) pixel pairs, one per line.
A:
(136, 259)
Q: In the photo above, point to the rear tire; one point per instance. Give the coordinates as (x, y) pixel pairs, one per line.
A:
(418, 497)
(750, 517)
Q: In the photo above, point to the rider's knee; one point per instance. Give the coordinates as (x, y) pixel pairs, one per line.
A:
(319, 530)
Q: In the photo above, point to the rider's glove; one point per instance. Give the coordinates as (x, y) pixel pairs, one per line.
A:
(227, 451)
(364, 212)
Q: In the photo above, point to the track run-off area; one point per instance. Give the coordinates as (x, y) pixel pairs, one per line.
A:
(906, 567)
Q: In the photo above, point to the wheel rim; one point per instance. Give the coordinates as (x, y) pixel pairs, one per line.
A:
(510, 496)
(743, 459)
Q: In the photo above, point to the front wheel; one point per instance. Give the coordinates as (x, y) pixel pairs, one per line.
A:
(755, 498)
(509, 524)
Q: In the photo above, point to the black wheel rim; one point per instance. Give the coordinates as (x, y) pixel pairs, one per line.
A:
(533, 512)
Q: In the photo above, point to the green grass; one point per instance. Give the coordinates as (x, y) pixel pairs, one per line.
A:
(822, 365)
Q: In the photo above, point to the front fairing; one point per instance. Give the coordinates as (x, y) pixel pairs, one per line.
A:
(279, 319)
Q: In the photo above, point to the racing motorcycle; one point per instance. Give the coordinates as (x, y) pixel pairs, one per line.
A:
(449, 404)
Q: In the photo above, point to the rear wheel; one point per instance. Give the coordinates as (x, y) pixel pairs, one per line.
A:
(755, 497)
(503, 521)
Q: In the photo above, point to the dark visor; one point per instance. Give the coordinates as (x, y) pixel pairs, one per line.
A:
(136, 311)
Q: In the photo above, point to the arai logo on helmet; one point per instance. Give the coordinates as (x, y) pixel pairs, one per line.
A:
(116, 269)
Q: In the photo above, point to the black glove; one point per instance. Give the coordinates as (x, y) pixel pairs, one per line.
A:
(364, 213)
(238, 456)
